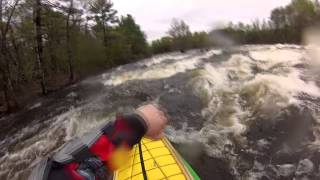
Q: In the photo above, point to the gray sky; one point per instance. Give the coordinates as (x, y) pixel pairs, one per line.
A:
(154, 16)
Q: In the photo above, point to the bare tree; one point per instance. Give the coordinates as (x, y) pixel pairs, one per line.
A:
(179, 29)
(181, 35)
(39, 45)
(4, 53)
(69, 48)
(69, 11)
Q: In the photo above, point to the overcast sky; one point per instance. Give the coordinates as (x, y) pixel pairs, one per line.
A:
(154, 16)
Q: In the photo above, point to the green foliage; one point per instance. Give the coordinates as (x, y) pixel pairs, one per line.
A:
(201, 40)
(103, 12)
(95, 40)
(119, 50)
(286, 25)
(134, 37)
(181, 35)
(105, 16)
(99, 40)
(127, 42)
(181, 39)
(196, 40)
(162, 45)
(89, 55)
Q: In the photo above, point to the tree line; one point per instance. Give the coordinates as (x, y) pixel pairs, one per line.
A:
(285, 25)
(180, 38)
(49, 44)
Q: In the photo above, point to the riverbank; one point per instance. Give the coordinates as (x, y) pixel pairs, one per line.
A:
(29, 92)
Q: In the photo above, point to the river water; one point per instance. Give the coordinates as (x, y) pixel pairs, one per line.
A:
(248, 112)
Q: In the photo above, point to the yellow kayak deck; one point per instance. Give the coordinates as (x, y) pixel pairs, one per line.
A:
(161, 162)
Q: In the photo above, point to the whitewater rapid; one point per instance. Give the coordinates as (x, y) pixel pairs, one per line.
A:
(254, 109)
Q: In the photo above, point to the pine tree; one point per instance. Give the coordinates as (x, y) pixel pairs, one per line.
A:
(105, 17)
(134, 36)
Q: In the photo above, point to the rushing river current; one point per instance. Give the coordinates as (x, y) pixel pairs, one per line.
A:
(243, 113)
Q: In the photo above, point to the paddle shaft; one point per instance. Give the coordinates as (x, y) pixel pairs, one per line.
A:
(144, 172)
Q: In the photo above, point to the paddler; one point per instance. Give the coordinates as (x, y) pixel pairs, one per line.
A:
(96, 155)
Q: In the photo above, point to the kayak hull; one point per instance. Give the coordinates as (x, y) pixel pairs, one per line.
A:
(161, 161)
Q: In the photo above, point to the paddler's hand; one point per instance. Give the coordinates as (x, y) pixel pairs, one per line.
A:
(155, 119)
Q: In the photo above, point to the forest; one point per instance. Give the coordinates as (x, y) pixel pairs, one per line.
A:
(285, 25)
(47, 45)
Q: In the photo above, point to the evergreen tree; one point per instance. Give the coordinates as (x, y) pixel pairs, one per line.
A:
(104, 16)
(162, 45)
(134, 36)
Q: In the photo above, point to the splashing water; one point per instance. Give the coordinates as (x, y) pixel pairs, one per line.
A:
(253, 111)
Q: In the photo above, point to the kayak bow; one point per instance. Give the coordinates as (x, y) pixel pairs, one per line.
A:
(160, 161)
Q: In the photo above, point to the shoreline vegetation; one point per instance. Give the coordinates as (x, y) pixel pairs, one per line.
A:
(46, 46)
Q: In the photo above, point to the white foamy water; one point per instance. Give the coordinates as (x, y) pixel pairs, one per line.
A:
(233, 86)
(153, 68)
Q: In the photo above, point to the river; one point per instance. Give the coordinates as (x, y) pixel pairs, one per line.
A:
(243, 113)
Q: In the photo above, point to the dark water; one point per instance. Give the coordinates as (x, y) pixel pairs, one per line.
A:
(243, 113)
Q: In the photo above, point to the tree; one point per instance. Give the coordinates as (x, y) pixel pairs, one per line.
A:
(127, 42)
(162, 45)
(54, 33)
(68, 11)
(39, 45)
(5, 68)
(68, 34)
(286, 25)
(71, 11)
(179, 29)
(105, 16)
(51, 43)
(135, 38)
(181, 35)
(200, 40)
(304, 13)
(278, 18)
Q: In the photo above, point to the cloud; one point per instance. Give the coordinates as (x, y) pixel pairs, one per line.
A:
(155, 16)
